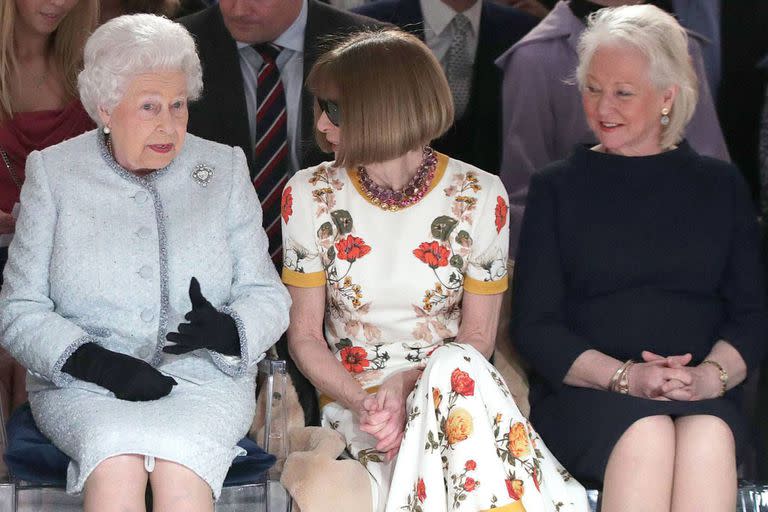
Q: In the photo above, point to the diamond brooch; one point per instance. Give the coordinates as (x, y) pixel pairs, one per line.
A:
(202, 174)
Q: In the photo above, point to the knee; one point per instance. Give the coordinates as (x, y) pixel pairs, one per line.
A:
(707, 434)
(453, 354)
(647, 439)
(121, 470)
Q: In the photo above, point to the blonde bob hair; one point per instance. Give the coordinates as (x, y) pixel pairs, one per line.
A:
(391, 91)
(66, 47)
(663, 42)
(133, 44)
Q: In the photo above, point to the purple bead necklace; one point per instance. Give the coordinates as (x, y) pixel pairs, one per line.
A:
(410, 194)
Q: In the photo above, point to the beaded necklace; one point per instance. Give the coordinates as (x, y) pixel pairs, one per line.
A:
(410, 194)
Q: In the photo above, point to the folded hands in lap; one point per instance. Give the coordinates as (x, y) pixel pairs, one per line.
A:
(383, 413)
(670, 378)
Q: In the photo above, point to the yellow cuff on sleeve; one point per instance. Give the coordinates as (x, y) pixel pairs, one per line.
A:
(485, 287)
(311, 280)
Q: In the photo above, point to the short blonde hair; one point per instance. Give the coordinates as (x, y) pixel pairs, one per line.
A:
(391, 91)
(663, 42)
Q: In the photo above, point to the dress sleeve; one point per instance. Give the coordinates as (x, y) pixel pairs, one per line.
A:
(742, 287)
(35, 335)
(538, 318)
(259, 303)
(486, 273)
(302, 262)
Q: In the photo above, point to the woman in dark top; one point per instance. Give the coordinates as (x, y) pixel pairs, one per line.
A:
(638, 286)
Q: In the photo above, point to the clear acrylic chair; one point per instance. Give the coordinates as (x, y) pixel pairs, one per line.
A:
(264, 495)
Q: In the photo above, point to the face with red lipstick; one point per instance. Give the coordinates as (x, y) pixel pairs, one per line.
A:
(149, 124)
(623, 107)
(42, 16)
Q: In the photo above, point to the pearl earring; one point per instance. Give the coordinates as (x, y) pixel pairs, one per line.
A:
(664, 116)
(106, 130)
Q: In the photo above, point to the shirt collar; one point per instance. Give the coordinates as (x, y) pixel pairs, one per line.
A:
(438, 15)
(293, 37)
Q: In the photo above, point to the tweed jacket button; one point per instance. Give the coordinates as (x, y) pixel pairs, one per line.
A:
(147, 315)
(141, 197)
(143, 352)
(144, 232)
(145, 271)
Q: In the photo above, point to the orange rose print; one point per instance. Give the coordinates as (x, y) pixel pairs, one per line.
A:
(470, 484)
(458, 426)
(501, 213)
(470, 465)
(433, 254)
(286, 204)
(518, 441)
(354, 359)
(437, 397)
(462, 383)
(515, 489)
(421, 490)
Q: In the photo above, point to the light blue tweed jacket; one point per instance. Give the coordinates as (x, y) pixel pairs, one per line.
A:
(101, 255)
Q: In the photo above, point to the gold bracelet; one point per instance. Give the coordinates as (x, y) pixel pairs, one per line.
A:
(723, 375)
(620, 380)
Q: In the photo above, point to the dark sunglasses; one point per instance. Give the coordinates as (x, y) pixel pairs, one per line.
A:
(331, 110)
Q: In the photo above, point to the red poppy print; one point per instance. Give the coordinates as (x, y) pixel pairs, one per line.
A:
(433, 254)
(351, 248)
(501, 213)
(354, 359)
(421, 490)
(462, 383)
(470, 484)
(286, 204)
(470, 465)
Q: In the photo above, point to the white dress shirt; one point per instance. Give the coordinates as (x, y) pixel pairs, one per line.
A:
(437, 33)
(290, 62)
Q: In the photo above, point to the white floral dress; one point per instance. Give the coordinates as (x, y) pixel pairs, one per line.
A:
(394, 285)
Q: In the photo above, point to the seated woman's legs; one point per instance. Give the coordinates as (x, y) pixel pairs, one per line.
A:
(684, 465)
(705, 465)
(639, 473)
(117, 484)
(176, 488)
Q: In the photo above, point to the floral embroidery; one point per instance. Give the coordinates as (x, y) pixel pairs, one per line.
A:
(286, 204)
(515, 488)
(354, 359)
(352, 248)
(433, 254)
(458, 426)
(518, 441)
(462, 383)
(463, 484)
(421, 490)
(501, 213)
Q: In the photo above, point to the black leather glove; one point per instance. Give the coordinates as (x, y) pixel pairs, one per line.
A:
(207, 328)
(127, 377)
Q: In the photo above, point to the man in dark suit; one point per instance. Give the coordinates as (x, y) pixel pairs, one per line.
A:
(476, 135)
(222, 114)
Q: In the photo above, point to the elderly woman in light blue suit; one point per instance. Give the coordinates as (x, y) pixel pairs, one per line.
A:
(124, 233)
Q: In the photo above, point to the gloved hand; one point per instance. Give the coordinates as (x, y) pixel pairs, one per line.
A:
(127, 377)
(207, 328)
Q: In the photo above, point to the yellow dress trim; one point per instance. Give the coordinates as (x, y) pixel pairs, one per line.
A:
(442, 164)
(302, 280)
(325, 399)
(485, 287)
(516, 506)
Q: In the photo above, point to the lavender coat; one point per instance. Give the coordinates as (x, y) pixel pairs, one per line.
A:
(542, 113)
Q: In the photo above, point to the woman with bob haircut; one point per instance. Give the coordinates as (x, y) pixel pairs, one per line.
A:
(122, 231)
(41, 51)
(406, 250)
(639, 296)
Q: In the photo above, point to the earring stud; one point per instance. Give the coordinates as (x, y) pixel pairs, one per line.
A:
(664, 116)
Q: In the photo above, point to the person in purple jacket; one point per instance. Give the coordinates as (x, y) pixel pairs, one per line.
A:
(542, 113)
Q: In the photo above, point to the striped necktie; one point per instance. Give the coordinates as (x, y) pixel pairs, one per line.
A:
(271, 151)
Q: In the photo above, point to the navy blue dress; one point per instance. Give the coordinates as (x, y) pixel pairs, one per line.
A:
(624, 254)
